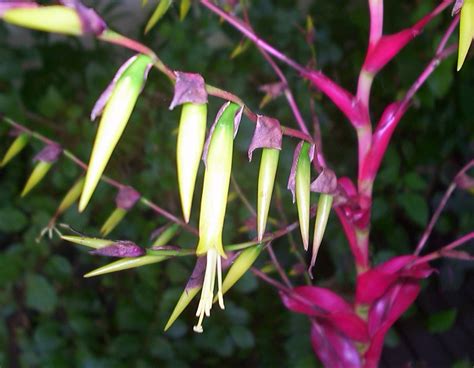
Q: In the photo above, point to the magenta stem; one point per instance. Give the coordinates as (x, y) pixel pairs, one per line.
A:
(440, 208)
(439, 253)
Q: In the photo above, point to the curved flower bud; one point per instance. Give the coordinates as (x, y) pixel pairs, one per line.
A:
(299, 184)
(71, 19)
(16, 147)
(45, 160)
(218, 156)
(242, 264)
(117, 103)
(190, 91)
(466, 31)
(268, 135)
(125, 200)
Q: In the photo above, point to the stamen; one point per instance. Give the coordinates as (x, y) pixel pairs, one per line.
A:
(213, 269)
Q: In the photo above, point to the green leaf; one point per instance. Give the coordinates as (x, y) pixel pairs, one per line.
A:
(12, 220)
(442, 321)
(184, 7)
(160, 10)
(40, 294)
(243, 337)
(415, 207)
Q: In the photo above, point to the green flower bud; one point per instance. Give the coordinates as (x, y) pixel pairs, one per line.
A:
(266, 180)
(95, 243)
(57, 19)
(166, 235)
(16, 147)
(72, 19)
(112, 221)
(117, 103)
(181, 305)
(191, 135)
(302, 190)
(125, 264)
(242, 264)
(38, 173)
(71, 196)
(322, 215)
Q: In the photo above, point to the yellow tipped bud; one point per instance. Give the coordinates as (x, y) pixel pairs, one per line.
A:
(191, 135)
(39, 172)
(16, 147)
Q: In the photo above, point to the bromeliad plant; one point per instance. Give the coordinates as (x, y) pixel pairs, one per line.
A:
(343, 334)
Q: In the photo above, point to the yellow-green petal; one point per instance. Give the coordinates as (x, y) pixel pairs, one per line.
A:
(112, 221)
(191, 135)
(55, 18)
(266, 181)
(38, 173)
(16, 147)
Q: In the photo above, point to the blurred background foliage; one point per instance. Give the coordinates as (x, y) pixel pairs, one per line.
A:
(55, 318)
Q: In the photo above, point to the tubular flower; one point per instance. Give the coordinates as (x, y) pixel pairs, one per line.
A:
(218, 158)
(326, 185)
(116, 105)
(299, 184)
(268, 135)
(190, 91)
